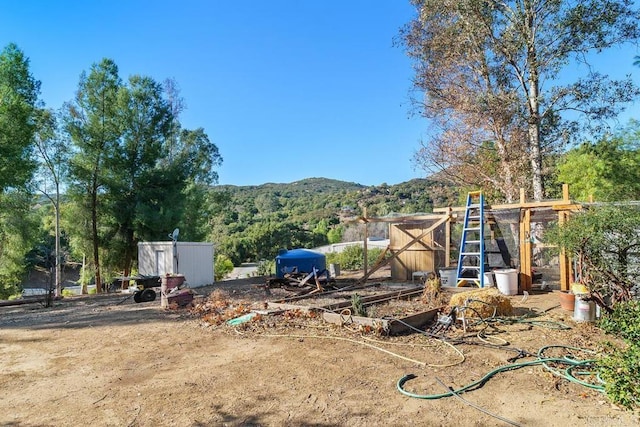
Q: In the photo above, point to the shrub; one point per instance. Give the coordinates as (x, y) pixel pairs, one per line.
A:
(352, 257)
(624, 321)
(223, 266)
(620, 368)
(266, 268)
(605, 242)
(357, 306)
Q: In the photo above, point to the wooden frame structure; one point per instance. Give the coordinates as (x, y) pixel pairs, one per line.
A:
(448, 216)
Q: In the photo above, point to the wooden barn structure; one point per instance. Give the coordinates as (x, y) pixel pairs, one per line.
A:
(422, 244)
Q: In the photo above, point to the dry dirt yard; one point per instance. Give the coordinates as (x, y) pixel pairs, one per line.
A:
(106, 361)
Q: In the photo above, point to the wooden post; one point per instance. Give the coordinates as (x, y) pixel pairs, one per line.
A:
(366, 237)
(525, 250)
(447, 239)
(565, 262)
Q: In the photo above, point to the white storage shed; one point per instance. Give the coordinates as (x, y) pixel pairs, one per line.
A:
(192, 259)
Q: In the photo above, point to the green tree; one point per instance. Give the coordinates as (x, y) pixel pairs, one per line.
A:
(334, 235)
(490, 70)
(93, 124)
(197, 160)
(18, 98)
(52, 153)
(608, 170)
(135, 168)
(18, 233)
(18, 101)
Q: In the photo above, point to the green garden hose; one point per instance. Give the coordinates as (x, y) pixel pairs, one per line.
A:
(544, 361)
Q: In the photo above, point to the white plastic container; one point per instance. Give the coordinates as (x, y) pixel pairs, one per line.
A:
(507, 281)
(584, 311)
(488, 279)
(448, 277)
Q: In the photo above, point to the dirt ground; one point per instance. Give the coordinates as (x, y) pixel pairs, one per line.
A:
(106, 361)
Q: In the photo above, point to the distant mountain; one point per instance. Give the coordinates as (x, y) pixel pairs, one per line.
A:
(416, 195)
(250, 223)
(317, 185)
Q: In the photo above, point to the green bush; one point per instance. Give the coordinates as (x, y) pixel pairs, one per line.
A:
(352, 257)
(603, 239)
(624, 321)
(620, 368)
(357, 306)
(223, 266)
(266, 268)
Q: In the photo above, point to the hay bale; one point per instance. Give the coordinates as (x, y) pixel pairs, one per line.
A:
(490, 298)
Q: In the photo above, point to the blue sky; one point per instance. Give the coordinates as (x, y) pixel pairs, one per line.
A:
(287, 89)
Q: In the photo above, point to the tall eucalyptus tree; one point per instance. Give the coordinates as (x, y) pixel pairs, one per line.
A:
(496, 87)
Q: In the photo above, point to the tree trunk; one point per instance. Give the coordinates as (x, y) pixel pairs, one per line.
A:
(96, 246)
(535, 154)
(536, 158)
(58, 291)
(128, 254)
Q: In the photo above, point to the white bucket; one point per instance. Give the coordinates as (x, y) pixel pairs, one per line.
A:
(584, 311)
(448, 277)
(334, 270)
(488, 279)
(507, 281)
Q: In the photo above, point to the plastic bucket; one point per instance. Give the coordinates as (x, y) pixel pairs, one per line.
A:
(584, 311)
(488, 279)
(507, 281)
(448, 277)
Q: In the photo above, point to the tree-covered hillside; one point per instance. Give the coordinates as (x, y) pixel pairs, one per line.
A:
(251, 223)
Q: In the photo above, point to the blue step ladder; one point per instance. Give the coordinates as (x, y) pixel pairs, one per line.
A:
(472, 261)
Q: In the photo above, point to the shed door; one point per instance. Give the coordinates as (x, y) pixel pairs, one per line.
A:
(160, 265)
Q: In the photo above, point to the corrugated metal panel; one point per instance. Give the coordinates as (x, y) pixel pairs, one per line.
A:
(194, 260)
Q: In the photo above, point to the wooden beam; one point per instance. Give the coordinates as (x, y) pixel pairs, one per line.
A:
(525, 251)
(447, 245)
(22, 301)
(389, 326)
(400, 219)
(378, 299)
(365, 246)
(556, 204)
(565, 262)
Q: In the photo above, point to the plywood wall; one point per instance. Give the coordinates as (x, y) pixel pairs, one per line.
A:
(425, 254)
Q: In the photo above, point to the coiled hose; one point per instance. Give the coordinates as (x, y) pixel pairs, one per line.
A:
(567, 373)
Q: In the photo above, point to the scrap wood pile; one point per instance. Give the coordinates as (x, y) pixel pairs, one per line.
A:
(302, 283)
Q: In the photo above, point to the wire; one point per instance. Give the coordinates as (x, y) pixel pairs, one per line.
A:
(418, 362)
(513, 423)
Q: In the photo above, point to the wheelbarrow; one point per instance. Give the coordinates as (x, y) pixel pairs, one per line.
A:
(145, 284)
